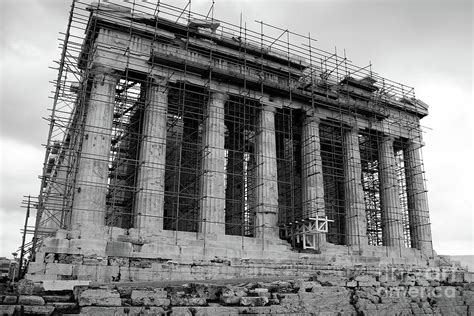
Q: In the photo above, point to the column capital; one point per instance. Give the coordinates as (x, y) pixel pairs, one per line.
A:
(219, 95)
(268, 108)
(312, 116)
(388, 138)
(157, 80)
(103, 70)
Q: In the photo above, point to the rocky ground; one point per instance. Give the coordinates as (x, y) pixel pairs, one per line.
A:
(407, 291)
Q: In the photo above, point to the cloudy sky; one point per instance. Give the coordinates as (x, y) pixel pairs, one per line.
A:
(426, 44)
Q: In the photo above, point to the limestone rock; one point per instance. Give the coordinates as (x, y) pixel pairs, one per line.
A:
(30, 300)
(119, 261)
(94, 260)
(49, 258)
(156, 297)
(231, 295)
(183, 299)
(38, 310)
(56, 298)
(7, 309)
(207, 291)
(61, 307)
(26, 287)
(253, 301)
(10, 300)
(99, 297)
(114, 311)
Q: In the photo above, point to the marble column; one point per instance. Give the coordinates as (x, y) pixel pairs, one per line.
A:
(392, 220)
(266, 186)
(212, 203)
(356, 220)
(149, 200)
(312, 171)
(417, 196)
(89, 204)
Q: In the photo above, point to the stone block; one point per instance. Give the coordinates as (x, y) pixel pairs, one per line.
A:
(108, 273)
(10, 299)
(229, 297)
(25, 287)
(364, 278)
(36, 267)
(183, 299)
(41, 277)
(141, 263)
(83, 272)
(63, 307)
(58, 269)
(128, 310)
(70, 258)
(94, 260)
(205, 311)
(331, 280)
(469, 277)
(119, 261)
(30, 300)
(7, 310)
(88, 247)
(207, 291)
(261, 292)
(38, 310)
(157, 297)
(118, 249)
(253, 301)
(99, 297)
(55, 245)
(165, 251)
(307, 286)
(57, 298)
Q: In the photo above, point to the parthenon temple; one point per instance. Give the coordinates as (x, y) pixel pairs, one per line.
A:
(179, 138)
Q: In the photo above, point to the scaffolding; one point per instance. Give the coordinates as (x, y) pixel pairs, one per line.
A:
(251, 66)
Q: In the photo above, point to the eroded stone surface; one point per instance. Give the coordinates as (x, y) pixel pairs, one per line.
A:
(99, 297)
(157, 297)
(30, 300)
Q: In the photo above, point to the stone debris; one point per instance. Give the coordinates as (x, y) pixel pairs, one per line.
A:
(409, 293)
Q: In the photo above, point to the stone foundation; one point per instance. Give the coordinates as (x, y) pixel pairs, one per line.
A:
(353, 291)
(191, 256)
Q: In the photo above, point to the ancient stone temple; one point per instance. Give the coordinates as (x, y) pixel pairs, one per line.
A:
(182, 147)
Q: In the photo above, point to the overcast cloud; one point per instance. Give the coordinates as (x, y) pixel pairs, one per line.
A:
(425, 43)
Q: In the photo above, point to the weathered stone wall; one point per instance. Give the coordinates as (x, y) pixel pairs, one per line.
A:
(353, 291)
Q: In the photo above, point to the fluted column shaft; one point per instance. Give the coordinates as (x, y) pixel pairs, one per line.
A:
(149, 201)
(92, 175)
(212, 203)
(356, 220)
(420, 229)
(312, 171)
(266, 186)
(392, 221)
